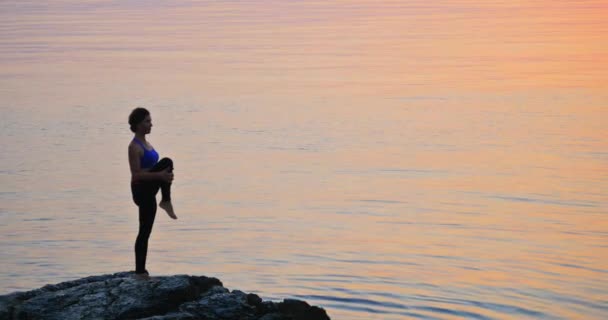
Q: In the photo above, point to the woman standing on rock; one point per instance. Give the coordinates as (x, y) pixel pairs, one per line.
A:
(147, 176)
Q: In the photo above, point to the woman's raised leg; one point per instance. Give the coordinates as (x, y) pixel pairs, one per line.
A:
(165, 187)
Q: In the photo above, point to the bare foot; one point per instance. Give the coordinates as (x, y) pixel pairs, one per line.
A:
(167, 206)
(142, 276)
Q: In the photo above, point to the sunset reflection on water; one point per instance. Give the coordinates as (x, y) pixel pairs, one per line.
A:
(385, 160)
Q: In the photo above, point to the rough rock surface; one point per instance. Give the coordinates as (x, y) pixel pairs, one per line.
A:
(121, 296)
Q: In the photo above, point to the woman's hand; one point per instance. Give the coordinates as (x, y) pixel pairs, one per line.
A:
(166, 176)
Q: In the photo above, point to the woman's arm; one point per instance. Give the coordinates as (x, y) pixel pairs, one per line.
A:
(137, 174)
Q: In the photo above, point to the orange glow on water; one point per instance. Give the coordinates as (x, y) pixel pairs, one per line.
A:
(386, 150)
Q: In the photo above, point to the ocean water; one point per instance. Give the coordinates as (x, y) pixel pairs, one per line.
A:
(383, 160)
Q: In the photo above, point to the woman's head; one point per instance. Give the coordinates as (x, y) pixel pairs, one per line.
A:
(140, 119)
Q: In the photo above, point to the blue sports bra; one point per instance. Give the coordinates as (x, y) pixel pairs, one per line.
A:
(150, 157)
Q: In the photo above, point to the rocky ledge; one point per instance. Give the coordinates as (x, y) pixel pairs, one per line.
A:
(121, 296)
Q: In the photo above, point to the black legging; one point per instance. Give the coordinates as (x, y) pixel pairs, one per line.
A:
(144, 196)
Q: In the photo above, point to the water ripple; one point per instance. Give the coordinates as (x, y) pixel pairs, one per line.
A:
(546, 201)
(395, 308)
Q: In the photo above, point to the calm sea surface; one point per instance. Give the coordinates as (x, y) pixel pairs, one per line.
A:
(384, 160)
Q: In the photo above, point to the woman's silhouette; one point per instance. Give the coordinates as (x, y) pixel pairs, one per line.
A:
(147, 176)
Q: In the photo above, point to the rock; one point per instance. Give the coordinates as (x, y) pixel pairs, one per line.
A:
(293, 306)
(301, 310)
(275, 316)
(254, 299)
(177, 297)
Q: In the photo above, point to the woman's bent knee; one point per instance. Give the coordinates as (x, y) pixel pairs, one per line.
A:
(164, 163)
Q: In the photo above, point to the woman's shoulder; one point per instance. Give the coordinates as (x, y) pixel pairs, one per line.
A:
(135, 146)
